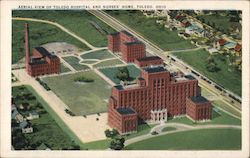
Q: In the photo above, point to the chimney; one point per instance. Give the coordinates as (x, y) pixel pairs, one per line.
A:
(26, 44)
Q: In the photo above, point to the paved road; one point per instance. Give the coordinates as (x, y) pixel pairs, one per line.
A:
(179, 128)
(155, 50)
(59, 26)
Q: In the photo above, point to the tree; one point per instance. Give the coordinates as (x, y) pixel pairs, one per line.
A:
(111, 134)
(117, 143)
(211, 65)
(123, 74)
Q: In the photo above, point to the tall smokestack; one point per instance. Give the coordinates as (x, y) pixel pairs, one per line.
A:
(26, 45)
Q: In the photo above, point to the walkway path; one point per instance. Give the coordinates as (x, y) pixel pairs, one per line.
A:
(186, 50)
(179, 128)
(59, 26)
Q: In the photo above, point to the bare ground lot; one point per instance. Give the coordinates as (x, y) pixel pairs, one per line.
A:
(81, 98)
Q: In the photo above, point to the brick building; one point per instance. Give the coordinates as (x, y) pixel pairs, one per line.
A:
(156, 95)
(41, 62)
(149, 61)
(125, 43)
(198, 108)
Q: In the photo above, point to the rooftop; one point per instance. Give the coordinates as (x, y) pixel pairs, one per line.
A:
(44, 52)
(125, 111)
(131, 43)
(115, 33)
(199, 99)
(127, 33)
(149, 58)
(154, 69)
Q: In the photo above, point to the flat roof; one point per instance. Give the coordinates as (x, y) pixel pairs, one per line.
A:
(125, 111)
(149, 58)
(131, 43)
(198, 99)
(127, 33)
(155, 69)
(114, 33)
(44, 52)
(189, 77)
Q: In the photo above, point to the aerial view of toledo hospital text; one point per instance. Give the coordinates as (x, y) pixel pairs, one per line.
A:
(97, 80)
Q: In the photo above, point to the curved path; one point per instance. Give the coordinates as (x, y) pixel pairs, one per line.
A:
(179, 128)
(59, 26)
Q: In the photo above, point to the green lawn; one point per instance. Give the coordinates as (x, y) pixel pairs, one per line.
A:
(74, 62)
(141, 130)
(48, 129)
(39, 33)
(203, 139)
(63, 68)
(226, 76)
(134, 72)
(111, 62)
(88, 62)
(157, 34)
(103, 54)
(83, 99)
(80, 22)
(166, 129)
(220, 21)
(224, 106)
(98, 145)
(218, 117)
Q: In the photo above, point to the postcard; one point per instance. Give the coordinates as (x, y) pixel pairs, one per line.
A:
(125, 78)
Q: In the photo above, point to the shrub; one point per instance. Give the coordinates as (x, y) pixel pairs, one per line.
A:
(83, 79)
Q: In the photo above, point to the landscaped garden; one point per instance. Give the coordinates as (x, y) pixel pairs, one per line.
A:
(155, 33)
(63, 68)
(82, 98)
(225, 75)
(80, 22)
(74, 62)
(112, 62)
(134, 72)
(39, 33)
(202, 139)
(103, 54)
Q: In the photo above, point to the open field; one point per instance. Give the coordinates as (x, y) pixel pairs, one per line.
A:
(103, 54)
(157, 34)
(46, 128)
(218, 117)
(112, 62)
(224, 106)
(226, 76)
(219, 21)
(39, 34)
(74, 62)
(80, 22)
(141, 130)
(111, 73)
(203, 139)
(63, 68)
(82, 98)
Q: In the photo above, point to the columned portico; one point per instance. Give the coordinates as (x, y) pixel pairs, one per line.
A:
(159, 115)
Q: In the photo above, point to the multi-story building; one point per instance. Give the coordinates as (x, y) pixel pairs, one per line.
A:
(157, 95)
(149, 61)
(41, 62)
(125, 43)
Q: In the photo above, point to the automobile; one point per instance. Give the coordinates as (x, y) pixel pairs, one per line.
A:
(154, 133)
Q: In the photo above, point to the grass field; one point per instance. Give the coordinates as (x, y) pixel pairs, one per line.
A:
(80, 22)
(203, 139)
(39, 34)
(134, 72)
(227, 76)
(157, 34)
(63, 68)
(103, 54)
(224, 106)
(111, 62)
(218, 117)
(221, 22)
(168, 129)
(47, 127)
(83, 99)
(74, 62)
(141, 130)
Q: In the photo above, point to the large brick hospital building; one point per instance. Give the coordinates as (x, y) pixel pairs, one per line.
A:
(156, 95)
